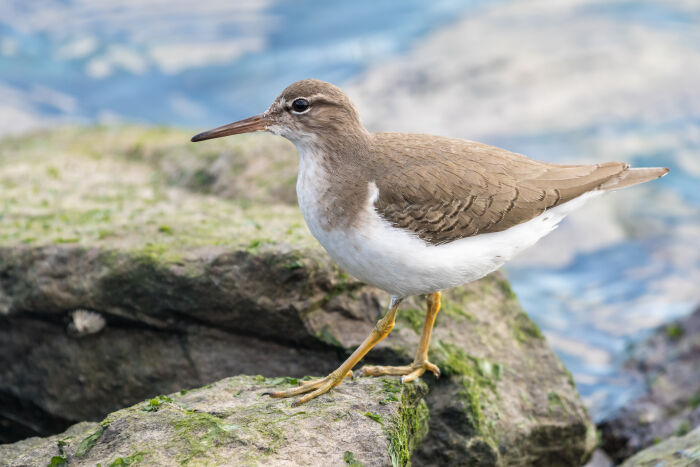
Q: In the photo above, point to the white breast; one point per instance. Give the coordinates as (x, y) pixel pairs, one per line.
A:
(312, 194)
(399, 262)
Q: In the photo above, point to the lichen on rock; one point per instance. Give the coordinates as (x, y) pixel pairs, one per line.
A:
(201, 270)
(668, 363)
(676, 451)
(232, 422)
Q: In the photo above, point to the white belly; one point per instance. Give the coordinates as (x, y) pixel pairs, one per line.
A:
(402, 264)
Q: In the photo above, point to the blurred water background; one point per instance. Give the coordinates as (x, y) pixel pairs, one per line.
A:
(563, 81)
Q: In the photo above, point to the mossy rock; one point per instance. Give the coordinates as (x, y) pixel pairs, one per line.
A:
(667, 361)
(676, 451)
(195, 284)
(232, 422)
(111, 187)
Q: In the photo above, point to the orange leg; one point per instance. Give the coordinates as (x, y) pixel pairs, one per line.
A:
(315, 388)
(420, 362)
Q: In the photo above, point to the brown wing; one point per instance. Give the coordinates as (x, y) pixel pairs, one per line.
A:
(444, 189)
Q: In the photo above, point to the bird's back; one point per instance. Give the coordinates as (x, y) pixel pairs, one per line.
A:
(444, 189)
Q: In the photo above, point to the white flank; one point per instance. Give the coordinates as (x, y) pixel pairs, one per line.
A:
(396, 260)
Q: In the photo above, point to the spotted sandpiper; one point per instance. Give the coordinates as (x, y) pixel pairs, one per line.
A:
(416, 214)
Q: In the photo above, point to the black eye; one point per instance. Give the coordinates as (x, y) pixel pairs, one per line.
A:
(300, 105)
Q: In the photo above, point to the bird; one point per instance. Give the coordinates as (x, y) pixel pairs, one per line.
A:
(415, 214)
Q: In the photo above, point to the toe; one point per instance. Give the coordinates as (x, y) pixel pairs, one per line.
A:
(309, 386)
(412, 375)
(433, 369)
(312, 395)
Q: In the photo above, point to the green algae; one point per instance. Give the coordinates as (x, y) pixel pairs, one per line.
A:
(683, 428)
(349, 459)
(413, 317)
(507, 290)
(155, 403)
(222, 430)
(126, 197)
(391, 388)
(200, 432)
(89, 441)
(478, 378)
(325, 335)
(674, 331)
(455, 310)
(410, 427)
(556, 402)
(525, 330)
(129, 460)
(694, 401)
(58, 461)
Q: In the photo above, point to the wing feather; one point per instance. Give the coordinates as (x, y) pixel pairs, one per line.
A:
(444, 189)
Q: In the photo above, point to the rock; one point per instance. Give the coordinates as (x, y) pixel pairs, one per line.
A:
(680, 451)
(599, 459)
(193, 287)
(371, 422)
(668, 362)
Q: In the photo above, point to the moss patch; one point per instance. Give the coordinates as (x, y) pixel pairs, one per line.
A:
(129, 460)
(507, 290)
(98, 186)
(325, 335)
(413, 317)
(392, 388)
(58, 461)
(674, 331)
(155, 403)
(406, 432)
(452, 308)
(201, 432)
(349, 459)
(478, 378)
(525, 329)
(89, 442)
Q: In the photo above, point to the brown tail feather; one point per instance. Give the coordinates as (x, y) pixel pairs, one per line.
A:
(631, 177)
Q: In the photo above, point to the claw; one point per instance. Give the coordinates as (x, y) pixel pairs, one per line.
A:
(310, 389)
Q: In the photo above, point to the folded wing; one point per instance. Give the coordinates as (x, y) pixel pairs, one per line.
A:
(444, 189)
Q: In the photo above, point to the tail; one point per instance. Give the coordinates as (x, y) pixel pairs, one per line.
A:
(629, 177)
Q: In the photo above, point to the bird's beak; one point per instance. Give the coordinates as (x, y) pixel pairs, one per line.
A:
(247, 125)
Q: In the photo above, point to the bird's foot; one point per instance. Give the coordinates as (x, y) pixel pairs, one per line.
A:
(407, 372)
(312, 388)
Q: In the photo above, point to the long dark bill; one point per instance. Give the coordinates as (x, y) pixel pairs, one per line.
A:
(254, 123)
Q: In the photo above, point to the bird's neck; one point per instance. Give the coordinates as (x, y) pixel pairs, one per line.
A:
(340, 147)
(333, 177)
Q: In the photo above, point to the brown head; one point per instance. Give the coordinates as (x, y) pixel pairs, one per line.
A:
(305, 111)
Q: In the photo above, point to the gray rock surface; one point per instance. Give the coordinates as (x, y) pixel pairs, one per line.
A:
(195, 284)
(373, 422)
(669, 362)
(677, 451)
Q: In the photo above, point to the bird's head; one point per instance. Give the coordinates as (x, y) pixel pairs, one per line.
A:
(304, 111)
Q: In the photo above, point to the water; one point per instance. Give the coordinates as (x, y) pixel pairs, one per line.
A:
(624, 92)
(197, 66)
